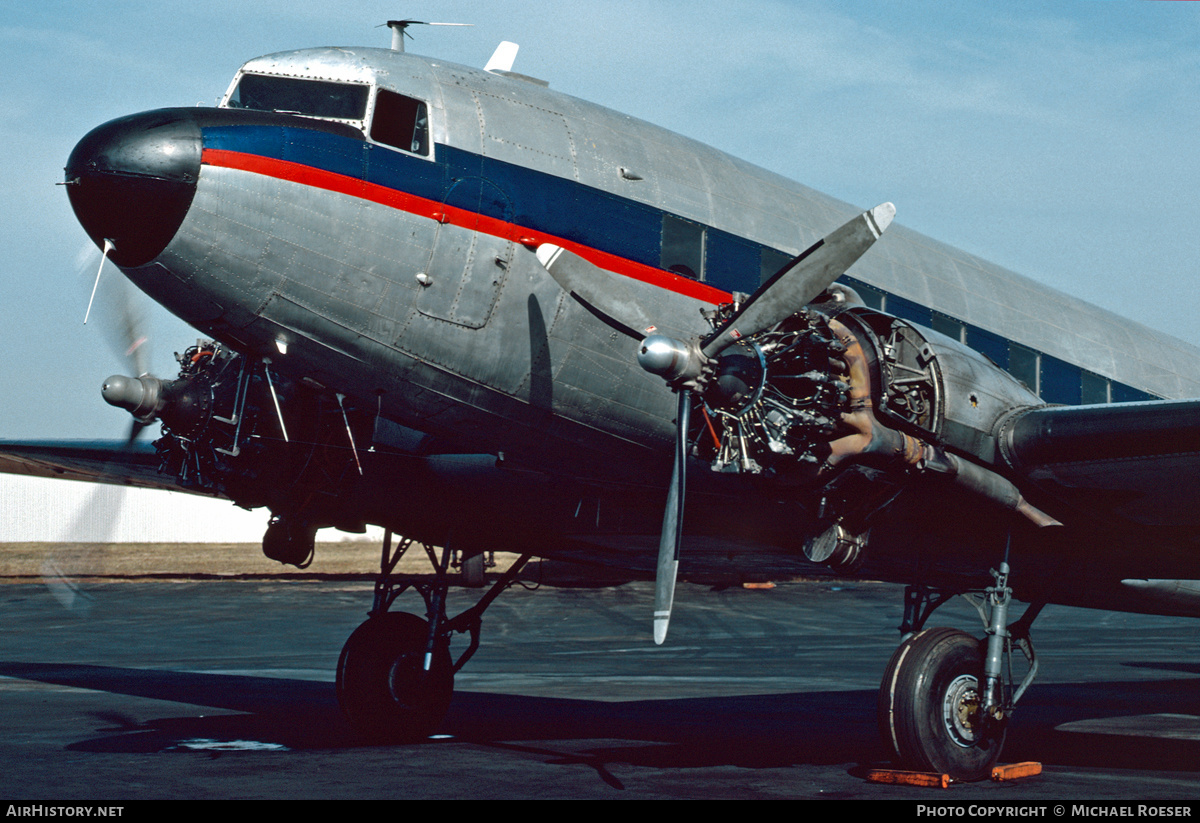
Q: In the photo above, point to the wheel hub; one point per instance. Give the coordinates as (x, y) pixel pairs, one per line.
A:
(405, 681)
(960, 710)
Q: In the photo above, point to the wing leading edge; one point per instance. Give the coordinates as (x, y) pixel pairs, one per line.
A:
(95, 461)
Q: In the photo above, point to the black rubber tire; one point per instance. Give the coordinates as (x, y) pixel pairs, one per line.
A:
(926, 716)
(381, 687)
(472, 571)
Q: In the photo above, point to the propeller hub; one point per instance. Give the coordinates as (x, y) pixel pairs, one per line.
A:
(140, 396)
(681, 364)
(662, 355)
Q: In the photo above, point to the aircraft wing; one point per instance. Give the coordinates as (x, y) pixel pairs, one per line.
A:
(96, 461)
(1134, 462)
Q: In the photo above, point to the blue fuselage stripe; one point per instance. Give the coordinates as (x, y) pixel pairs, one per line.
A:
(566, 209)
(505, 191)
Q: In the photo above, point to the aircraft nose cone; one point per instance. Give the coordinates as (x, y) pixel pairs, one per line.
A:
(131, 181)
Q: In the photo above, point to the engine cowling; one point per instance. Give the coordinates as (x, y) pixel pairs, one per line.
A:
(936, 387)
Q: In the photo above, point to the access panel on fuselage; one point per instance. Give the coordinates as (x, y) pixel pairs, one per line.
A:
(468, 263)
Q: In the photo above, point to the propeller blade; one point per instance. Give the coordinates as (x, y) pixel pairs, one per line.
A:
(125, 329)
(135, 431)
(130, 325)
(672, 529)
(801, 280)
(601, 292)
(82, 549)
(121, 311)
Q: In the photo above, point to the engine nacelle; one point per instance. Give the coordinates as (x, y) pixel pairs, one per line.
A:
(835, 387)
(825, 386)
(936, 387)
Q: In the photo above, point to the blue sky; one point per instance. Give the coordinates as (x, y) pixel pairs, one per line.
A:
(1057, 139)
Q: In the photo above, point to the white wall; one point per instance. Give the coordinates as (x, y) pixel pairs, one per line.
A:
(36, 509)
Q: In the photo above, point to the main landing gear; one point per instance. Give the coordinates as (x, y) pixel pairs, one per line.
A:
(395, 676)
(946, 697)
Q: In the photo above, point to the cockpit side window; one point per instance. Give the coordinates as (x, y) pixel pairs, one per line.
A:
(401, 122)
(314, 98)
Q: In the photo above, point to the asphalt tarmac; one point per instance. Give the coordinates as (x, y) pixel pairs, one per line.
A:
(224, 689)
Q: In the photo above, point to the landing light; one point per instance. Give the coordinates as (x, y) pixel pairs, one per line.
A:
(281, 344)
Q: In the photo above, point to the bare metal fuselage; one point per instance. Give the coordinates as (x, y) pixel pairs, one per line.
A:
(409, 282)
(328, 258)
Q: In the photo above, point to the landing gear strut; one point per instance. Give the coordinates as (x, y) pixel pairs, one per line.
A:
(946, 697)
(395, 676)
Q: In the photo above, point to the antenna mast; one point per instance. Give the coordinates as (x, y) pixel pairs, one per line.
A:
(399, 30)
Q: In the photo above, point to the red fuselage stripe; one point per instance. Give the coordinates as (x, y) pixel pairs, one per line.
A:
(396, 199)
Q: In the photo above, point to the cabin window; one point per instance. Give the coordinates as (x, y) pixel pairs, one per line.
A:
(1023, 365)
(949, 327)
(870, 295)
(909, 310)
(770, 263)
(992, 346)
(294, 95)
(682, 247)
(401, 122)
(1060, 382)
(1128, 394)
(1093, 388)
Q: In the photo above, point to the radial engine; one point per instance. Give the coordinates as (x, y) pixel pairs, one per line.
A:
(854, 402)
(231, 425)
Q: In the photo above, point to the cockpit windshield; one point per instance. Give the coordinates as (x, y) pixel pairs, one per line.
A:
(314, 98)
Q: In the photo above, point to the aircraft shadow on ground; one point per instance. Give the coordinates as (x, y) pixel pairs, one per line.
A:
(758, 731)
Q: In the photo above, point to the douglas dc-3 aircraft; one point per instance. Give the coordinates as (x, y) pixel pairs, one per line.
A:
(487, 315)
